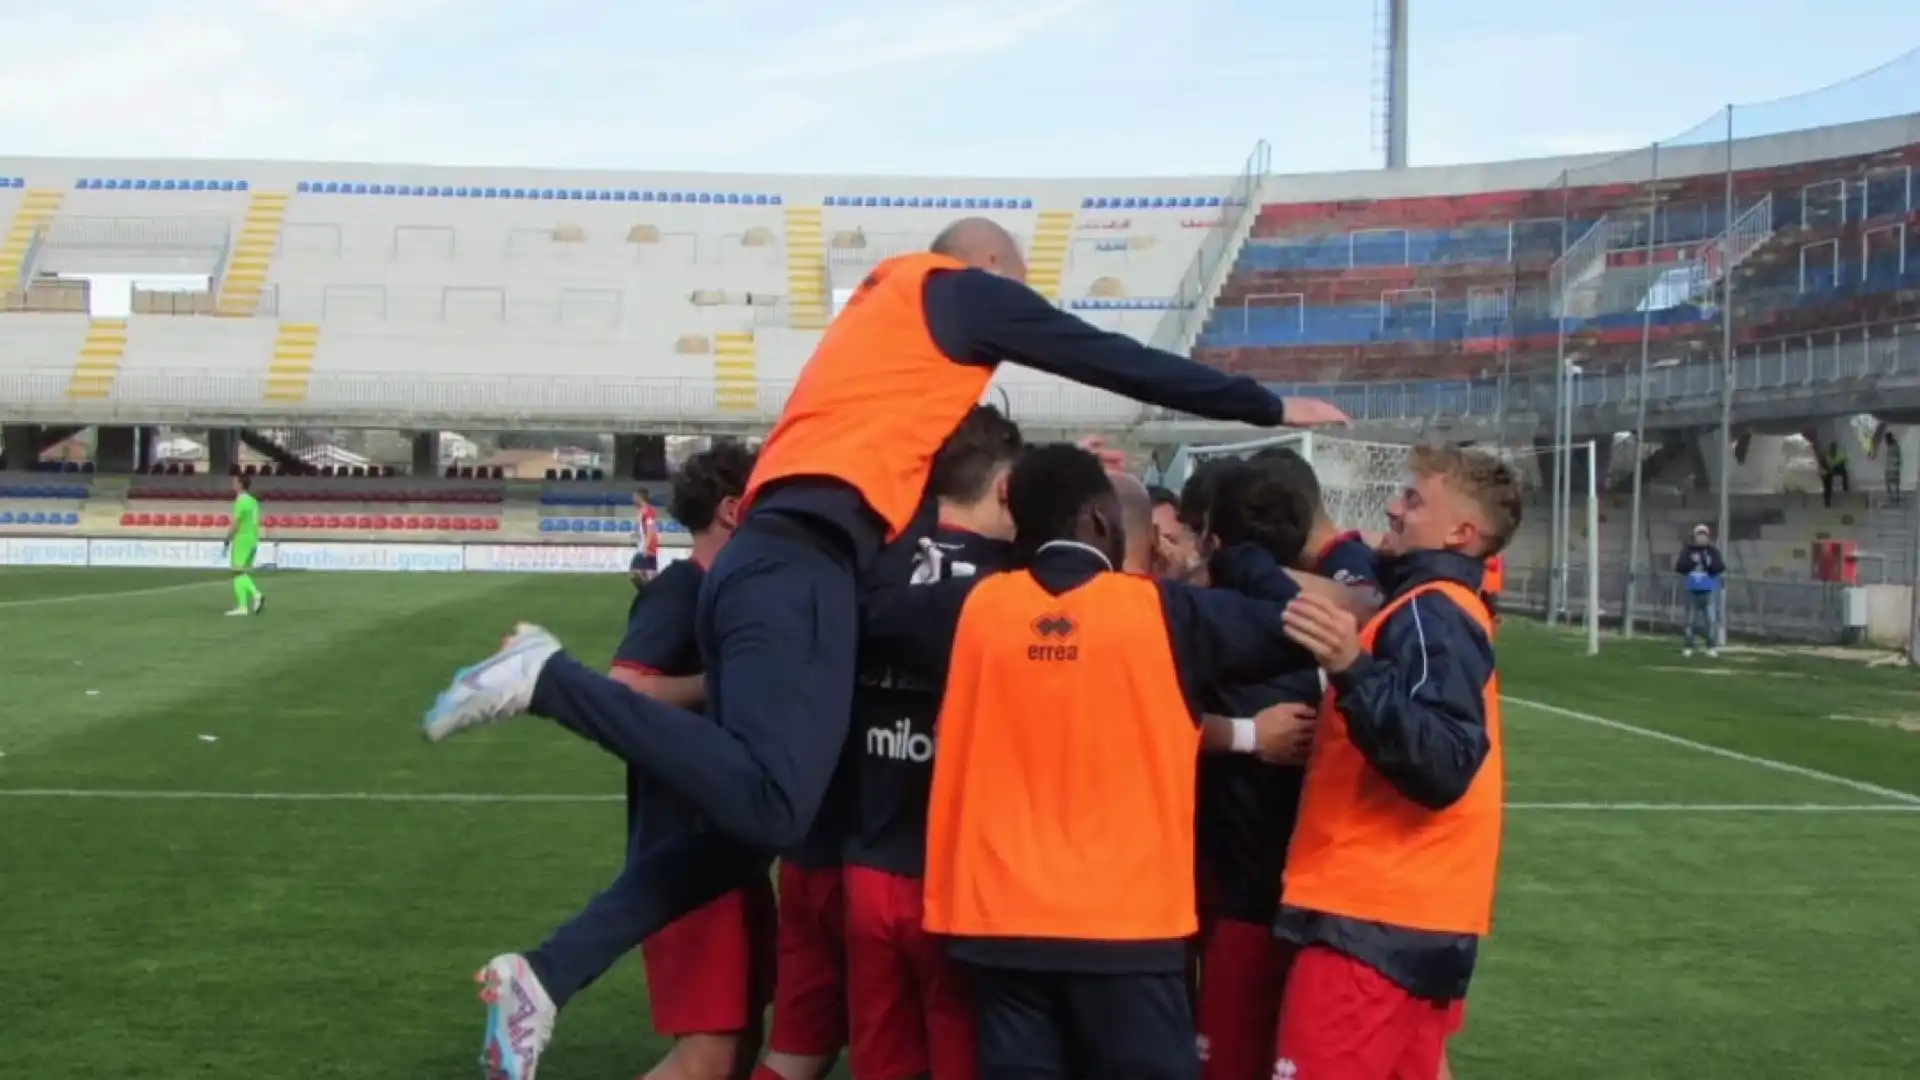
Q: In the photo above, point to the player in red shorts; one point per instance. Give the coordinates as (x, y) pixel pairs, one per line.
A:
(710, 972)
(810, 981)
(1257, 736)
(1391, 874)
(910, 1010)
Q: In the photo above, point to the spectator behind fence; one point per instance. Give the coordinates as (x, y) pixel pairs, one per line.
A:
(1703, 568)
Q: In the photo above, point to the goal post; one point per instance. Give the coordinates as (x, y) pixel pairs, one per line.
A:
(1558, 576)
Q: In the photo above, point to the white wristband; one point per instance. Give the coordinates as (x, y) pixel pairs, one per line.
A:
(1246, 738)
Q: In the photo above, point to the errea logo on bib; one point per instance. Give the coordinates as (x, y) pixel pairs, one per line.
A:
(900, 743)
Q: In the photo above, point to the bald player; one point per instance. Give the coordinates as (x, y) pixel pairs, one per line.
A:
(843, 472)
(1136, 516)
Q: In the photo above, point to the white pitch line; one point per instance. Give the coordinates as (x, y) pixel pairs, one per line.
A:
(1904, 797)
(300, 796)
(484, 798)
(1720, 808)
(74, 598)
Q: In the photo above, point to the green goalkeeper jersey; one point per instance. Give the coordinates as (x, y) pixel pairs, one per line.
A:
(246, 517)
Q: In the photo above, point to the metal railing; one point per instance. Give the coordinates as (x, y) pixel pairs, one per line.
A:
(1798, 361)
(1206, 274)
(528, 396)
(1801, 361)
(1811, 612)
(188, 233)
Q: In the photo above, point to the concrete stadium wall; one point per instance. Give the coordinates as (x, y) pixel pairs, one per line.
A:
(460, 290)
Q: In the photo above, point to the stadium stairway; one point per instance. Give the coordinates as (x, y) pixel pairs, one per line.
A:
(807, 268)
(292, 366)
(736, 375)
(98, 365)
(251, 254)
(36, 209)
(1047, 254)
(271, 450)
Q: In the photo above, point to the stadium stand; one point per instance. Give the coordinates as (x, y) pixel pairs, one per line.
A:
(458, 289)
(410, 296)
(1453, 287)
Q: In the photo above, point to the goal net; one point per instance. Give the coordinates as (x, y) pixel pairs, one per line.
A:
(1357, 479)
(1548, 561)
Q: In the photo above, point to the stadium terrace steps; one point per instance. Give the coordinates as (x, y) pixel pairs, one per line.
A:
(292, 367)
(736, 376)
(251, 254)
(807, 296)
(36, 209)
(99, 362)
(1047, 253)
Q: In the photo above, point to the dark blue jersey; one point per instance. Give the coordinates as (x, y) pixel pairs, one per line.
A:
(660, 640)
(1246, 809)
(890, 744)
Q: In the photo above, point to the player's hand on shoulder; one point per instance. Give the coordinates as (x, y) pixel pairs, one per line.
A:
(1312, 412)
(1110, 458)
(1327, 631)
(1283, 733)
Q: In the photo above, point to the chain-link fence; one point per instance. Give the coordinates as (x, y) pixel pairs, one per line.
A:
(1806, 612)
(1764, 222)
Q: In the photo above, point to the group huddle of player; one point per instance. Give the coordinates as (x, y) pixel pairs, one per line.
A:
(1024, 773)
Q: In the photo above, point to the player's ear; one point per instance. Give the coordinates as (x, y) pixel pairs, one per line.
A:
(728, 512)
(1464, 536)
(1000, 486)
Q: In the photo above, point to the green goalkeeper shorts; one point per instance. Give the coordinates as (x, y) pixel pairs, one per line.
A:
(242, 552)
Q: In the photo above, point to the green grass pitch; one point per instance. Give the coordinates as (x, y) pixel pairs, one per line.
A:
(1711, 868)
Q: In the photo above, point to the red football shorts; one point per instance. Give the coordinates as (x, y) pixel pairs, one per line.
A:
(910, 1012)
(710, 972)
(810, 982)
(1342, 1020)
(1243, 970)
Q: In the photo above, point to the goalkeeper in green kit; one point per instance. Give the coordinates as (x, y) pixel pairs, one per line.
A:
(242, 543)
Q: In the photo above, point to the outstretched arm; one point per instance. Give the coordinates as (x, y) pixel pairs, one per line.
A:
(1251, 571)
(981, 318)
(1220, 636)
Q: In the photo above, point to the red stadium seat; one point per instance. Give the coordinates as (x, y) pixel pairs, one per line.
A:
(333, 521)
(302, 521)
(222, 521)
(126, 519)
(190, 521)
(366, 522)
(493, 525)
(443, 524)
(379, 521)
(174, 521)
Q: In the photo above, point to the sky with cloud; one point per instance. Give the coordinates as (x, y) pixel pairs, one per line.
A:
(958, 87)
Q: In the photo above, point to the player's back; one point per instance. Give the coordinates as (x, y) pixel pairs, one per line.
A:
(891, 742)
(661, 640)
